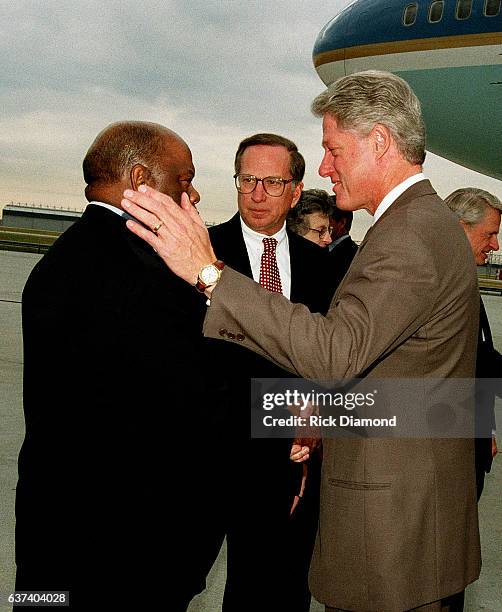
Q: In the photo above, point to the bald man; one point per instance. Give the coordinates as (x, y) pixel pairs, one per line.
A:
(109, 485)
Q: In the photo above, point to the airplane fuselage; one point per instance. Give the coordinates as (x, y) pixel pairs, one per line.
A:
(450, 51)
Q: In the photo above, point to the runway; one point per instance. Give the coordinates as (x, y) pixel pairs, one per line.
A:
(485, 594)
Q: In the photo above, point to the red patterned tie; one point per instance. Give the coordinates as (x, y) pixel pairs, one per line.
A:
(269, 272)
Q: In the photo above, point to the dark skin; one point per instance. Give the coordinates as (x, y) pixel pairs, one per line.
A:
(338, 228)
(174, 178)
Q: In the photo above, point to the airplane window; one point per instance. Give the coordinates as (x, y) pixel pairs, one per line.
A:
(492, 8)
(436, 11)
(410, 14)
(464, 9)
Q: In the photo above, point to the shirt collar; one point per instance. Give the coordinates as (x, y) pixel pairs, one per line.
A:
(337, 241)
(114, 209)
(256, 237)
(393, 195)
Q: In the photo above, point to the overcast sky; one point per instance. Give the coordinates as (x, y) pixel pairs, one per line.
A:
(213, 71)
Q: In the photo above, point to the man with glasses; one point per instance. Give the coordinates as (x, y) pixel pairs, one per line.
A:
(262, 479)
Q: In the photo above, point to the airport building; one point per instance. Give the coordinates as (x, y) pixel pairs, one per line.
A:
(30, 216)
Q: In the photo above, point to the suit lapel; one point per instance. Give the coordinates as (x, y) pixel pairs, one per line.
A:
(297, 266)
(415, 191)
(230, 246)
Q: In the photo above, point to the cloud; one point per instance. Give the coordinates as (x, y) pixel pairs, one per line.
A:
(215, 71)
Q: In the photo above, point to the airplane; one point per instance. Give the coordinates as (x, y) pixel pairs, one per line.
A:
(449, 51)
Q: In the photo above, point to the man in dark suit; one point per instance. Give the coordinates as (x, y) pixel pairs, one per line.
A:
(103, 498)
(342, 247)
(398, 525)
(263, 571)
(479, 213)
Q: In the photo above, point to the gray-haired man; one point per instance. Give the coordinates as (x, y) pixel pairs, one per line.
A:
(398, 523)
(479, 214)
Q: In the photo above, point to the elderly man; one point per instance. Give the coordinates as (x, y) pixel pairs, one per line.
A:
(109, 481)
(479, 214)
(268, 178)
(398, 522)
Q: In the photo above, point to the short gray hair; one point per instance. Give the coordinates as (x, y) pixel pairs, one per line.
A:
(361, 100)
(122, 145)
(470, 204)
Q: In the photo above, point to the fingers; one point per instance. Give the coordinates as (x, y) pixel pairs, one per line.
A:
(151, 206)
(142, 232)
(139, 211)
(299, 454)
(296, 499)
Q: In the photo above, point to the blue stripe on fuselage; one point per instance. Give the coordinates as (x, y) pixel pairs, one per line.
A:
(378, 21)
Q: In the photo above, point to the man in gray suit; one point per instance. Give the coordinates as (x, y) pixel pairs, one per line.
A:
(479, 213)
(398, 525)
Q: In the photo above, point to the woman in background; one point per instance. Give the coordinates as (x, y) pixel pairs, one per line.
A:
(310, 217)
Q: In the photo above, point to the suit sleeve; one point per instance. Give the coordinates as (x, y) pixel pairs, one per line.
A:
(380, 305)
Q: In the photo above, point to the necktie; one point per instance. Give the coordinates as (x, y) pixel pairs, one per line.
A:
(269, 271)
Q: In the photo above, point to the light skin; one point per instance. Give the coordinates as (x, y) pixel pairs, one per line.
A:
(317, 221)
(260, 211)
(363, 169)
(482, 236)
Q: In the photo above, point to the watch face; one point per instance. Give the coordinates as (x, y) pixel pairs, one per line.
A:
(209, 274)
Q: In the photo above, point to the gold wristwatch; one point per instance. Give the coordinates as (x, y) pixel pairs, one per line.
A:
(209, 275)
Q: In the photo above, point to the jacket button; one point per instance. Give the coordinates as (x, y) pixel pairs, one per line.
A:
(240, 337)
(230, 336)
(222, 332)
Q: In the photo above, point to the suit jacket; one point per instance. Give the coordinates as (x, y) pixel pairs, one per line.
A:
(398, 524)
(341, 257)
(310, 285)
(111, 342)
(488, 366)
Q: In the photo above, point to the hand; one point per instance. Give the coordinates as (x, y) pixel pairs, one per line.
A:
(297, 498)
(181, 241)
(300, 451)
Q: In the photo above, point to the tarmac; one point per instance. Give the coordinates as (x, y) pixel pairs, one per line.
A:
(485, 594)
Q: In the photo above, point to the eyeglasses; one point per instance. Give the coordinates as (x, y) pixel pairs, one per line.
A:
(273, 185)
(322, 232)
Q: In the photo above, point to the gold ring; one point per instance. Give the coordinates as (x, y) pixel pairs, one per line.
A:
(156, 228)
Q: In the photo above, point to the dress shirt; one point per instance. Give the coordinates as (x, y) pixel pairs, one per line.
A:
(117, 211)
(254, 247)
(392, 196)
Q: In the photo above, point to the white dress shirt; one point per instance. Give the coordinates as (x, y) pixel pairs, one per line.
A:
(254, 246)
(393, 195)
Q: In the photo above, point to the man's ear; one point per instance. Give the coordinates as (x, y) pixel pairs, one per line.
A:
(139, 175)
(381, 139)
(296, 194)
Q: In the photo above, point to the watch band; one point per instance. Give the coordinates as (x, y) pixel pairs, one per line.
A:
(200, 285)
